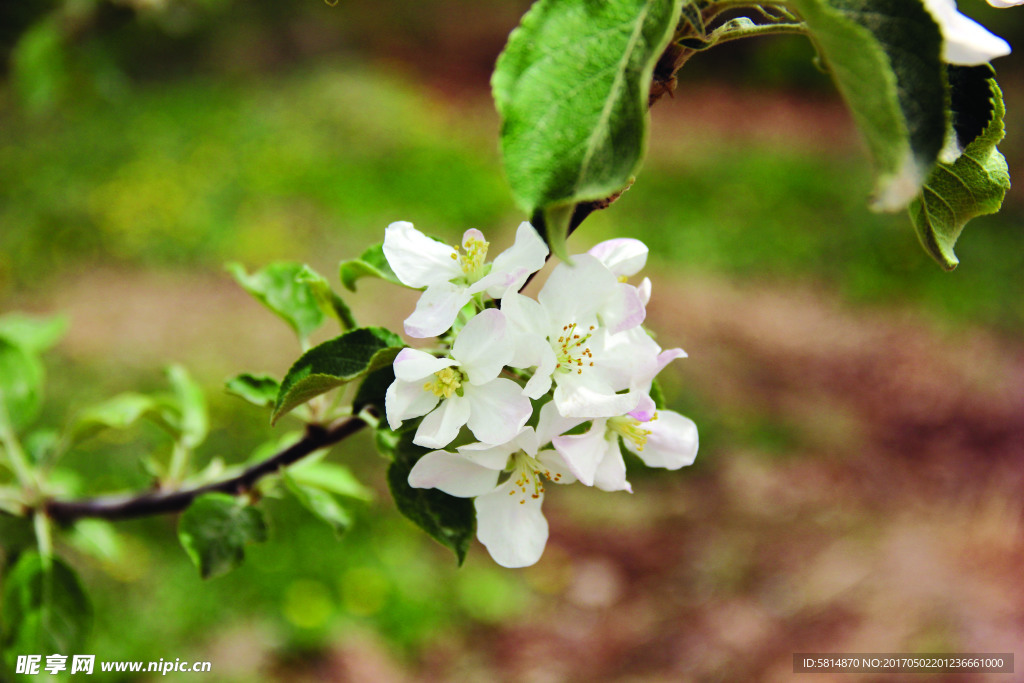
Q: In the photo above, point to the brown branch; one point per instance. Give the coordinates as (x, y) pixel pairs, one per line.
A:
(164, 502)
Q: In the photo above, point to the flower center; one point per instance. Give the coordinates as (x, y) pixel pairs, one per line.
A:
(446, 382)
(526, 476)
(630, 428)
(474, 253)
(571, 352)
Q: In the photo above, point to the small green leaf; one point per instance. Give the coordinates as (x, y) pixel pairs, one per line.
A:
(322, 504)
(571, 87)
(195, 422)
(973, 185)
(39, 68)
(330, 477)
(277, 287)
(371, 263)
(119, 412)
(885, 58)
(334, 363)
(330, 303)
(373, 389)
(449, 520)
(44, 609)
(97, 538)
(215, 529)
(260, 390)
(35, 334)
(21, 384)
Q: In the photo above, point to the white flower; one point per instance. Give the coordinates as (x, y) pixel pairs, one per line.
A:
(965, 41)
(625, 257)
(452, 278)
(466, 385)
(509, 518)
(575, 335)
(665, 439)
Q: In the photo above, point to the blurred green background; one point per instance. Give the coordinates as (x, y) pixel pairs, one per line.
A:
(860, 409)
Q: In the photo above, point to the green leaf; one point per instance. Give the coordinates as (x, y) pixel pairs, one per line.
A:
(373, 389)
(884, 56)
(260, 390)
(215, 529)
(119, 412)
(195, 422)
(39, 65)
(21, 384)
(330, 477)
(973, 185)
(370, 264)
(449, 520)
(45, 610)
(97, 538)
(571, 87)
(35, 334)
(330, 303)
(322, 504)
(334, 363)
(278, 288)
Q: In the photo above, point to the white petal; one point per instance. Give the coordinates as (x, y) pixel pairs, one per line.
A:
(585, 396)
(482, 347)
(515, 264)
(576, 293)
(627, 359)
(1003, 4)
(556, 466)
(418, 260)
(611, 472)
(672, 442)
(440, 427)
(452, 474)
(540, 383)
(499, 410)
(488, 455)
(512, 527)
(413, 365)
(436, 310)
(624, 309)
(405, 400)
(623, 256)
(965, 41)
(524, 315)
(583, 452)
(551, 423)
(644, 290)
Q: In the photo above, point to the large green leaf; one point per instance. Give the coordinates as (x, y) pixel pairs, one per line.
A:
(279, 288)
(449, 520)
(884, 56)
(21, 384)
(336, 362)
(571, 87)
(45, 610)
(978, 180)
(215, 529)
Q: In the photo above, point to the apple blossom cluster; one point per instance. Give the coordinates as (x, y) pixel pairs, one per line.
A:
(545, 388)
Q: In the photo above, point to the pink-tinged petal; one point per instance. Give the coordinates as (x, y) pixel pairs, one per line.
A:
(624, 309)
(644, 290)
(672, 442)
(583, 396)
(441, 426)
(413, 365)
(511, 526)
(551, 423)
(436, 310)
(583, 453)
(452, 474)
(576, 293)
(611, 472)
(472, 235)
(499, 410)
(625, 360)
(644, 410)
(406, 400)
(515, 264)
(623, 256)
(482, 347)
(419, 261)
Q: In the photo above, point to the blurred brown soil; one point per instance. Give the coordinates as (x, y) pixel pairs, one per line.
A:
(890, 520)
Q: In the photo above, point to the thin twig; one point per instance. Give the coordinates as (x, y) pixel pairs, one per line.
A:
(158, 503)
